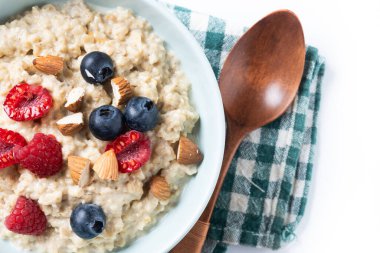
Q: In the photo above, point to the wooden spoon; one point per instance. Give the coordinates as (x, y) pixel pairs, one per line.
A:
(259, 80)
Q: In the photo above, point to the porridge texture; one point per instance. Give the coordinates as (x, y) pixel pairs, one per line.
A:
(70, 31)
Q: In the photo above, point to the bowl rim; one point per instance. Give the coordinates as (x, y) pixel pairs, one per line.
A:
(158, 6)
(221, 120)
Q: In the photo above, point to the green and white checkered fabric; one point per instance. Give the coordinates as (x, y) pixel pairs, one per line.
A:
(265, 192)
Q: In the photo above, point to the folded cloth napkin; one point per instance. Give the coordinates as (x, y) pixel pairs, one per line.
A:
(265, 192)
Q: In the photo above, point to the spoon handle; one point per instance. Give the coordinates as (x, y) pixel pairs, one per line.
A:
(194, 240)
(235, 134)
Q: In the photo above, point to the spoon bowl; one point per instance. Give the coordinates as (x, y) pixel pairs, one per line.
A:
(259, 80)
(261, 75)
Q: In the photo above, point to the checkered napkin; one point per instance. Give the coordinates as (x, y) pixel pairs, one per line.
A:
(265, 192)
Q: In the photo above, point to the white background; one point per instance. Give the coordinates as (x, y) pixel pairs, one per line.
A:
(343, 214)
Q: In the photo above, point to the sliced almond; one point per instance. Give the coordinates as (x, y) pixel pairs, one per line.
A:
(122, 91)
(188, 152)
(79, 170)
(106, 166)
(49, 64)
(74, 99)
(71, 124)
(160, 188)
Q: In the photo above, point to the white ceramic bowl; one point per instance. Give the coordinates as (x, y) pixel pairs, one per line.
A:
(207, 100)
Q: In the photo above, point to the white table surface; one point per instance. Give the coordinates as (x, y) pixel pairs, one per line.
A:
(343, 214)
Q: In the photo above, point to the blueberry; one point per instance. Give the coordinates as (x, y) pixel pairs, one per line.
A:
(87, 220)
(107, 122)
(96, 67)
(141, 114)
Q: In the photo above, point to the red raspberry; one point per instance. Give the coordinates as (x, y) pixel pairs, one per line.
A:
(26, 218)
(27, 102)
(42, 156)
(8, 140)
(132, 150)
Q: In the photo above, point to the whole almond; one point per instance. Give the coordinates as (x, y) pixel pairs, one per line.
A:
(106, 166)
(49, 64)
(188, 152)
(160, 188)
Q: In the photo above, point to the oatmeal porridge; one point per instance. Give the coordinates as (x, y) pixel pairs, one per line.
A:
(43, 51)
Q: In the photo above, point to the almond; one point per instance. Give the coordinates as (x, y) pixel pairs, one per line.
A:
(49, 64)
(106, 166)
(122, 91)
(160, 188)
(74, 99)
(79, 168)
(71, 124)
(188, 152)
